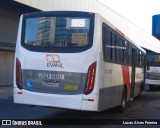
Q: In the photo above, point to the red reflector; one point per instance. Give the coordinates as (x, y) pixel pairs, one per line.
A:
(19, 92)
(91, 100)
(90, 79)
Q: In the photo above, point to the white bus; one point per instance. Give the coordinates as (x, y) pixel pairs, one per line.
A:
(153, 71)
(75, 60)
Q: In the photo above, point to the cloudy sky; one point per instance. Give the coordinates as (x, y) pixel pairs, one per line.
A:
(139, 12)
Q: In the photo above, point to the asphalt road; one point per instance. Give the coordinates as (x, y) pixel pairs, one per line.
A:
(145, 107)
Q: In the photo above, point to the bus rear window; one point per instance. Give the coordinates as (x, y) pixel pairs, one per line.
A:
(56, 32)
(153, 59)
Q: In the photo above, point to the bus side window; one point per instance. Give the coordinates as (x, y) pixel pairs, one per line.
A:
(130, 55)
(126, 53)
(140, 59)
(114, 50)
(143, 59)
(107, 46)
(123, 50)
(119, 50)
(137, 58)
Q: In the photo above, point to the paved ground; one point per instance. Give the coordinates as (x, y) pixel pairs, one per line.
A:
(6, 92)
(145, 107)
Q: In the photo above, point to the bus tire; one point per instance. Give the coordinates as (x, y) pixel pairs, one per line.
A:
(141, 89)
(122, 107)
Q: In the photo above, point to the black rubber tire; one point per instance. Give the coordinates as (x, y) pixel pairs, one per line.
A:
(122, 107)
(141, 89)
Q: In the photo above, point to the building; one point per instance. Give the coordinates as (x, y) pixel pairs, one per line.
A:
(46, 27)
(144, 39)
(10, 12)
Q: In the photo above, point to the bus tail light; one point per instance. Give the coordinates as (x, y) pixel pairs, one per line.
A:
(90, 79)
(18, 74)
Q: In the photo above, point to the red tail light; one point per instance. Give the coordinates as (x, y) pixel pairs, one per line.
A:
(18, 74)
(90, 79)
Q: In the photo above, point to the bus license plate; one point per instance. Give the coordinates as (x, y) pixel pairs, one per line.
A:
(71, 87)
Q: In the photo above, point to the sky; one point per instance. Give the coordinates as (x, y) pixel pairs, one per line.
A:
(139, 12)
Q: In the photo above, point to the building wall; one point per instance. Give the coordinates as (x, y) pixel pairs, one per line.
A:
(8, 26)
(39, 4)
(129, 29)
(6, 67)
(9, 21)
(10, 12)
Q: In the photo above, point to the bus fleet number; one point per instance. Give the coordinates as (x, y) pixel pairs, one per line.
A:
(51, 76)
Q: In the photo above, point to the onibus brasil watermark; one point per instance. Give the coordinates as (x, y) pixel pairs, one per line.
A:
(21, 122)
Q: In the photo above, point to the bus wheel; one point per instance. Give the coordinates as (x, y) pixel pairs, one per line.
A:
(141, 89)
(122, 107)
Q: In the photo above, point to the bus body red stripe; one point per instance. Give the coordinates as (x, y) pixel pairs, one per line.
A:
(126, 78)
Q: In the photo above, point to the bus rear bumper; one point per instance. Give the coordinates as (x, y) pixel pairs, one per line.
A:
(17, 95)
(75, 102)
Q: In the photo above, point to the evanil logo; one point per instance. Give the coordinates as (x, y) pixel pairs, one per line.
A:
(53, 61)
